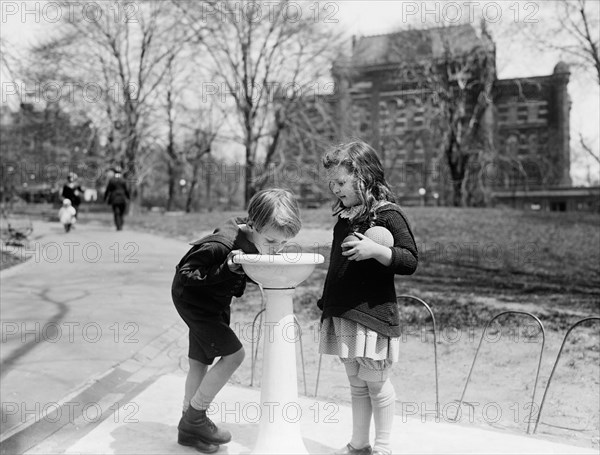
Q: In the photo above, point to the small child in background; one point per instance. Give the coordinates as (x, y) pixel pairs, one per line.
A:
(67, 214)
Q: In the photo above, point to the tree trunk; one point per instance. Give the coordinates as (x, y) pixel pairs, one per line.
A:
(208, 195)
(455, 161)
(190, 196)
(249, 188)
(192, 191)
(171, 189)
(131, 152)
(456, 193)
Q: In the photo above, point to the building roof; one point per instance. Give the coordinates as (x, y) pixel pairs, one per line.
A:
(398, 47)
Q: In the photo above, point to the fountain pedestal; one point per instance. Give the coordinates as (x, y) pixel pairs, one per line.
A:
(279, 428)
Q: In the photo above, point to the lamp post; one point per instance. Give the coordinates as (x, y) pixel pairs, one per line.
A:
(422, 193)
(436, 198)
(9, 186)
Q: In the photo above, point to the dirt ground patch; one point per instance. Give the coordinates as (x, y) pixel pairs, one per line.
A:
(501, 386)
(500, 391)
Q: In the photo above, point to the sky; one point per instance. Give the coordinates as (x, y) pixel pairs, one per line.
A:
(26, 23)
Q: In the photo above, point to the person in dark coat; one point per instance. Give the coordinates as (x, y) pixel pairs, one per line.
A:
(72, 191)
(117, 195)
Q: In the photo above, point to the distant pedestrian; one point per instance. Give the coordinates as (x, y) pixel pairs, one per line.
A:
(360, 321)
(67, 215)
(73, 191)
(117, 195)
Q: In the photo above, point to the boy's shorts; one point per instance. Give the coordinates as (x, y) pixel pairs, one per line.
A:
(210, 336)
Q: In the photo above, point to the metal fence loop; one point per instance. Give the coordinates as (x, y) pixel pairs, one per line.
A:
(595, 318)
(435, 358)
(537, 375)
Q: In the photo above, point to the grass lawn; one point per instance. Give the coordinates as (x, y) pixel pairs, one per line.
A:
(546, 259)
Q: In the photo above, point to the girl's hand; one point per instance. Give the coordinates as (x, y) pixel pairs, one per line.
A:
(365, 248)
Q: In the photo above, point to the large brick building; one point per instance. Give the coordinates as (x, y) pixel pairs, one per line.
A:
(385, 97)
(533, 125)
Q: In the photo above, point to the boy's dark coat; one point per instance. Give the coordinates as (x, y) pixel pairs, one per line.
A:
(203, 279)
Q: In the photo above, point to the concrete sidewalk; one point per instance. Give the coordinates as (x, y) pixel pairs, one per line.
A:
(87, 309)
(147, 424)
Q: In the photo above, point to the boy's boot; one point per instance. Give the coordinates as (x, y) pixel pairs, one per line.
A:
(197, 444)
(195, 424)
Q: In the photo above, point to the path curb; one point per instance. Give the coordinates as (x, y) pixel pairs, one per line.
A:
(97, 399)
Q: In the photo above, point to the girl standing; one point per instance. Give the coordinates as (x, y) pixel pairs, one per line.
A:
(360, 321)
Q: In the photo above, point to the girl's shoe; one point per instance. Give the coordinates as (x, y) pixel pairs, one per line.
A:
(349, 450)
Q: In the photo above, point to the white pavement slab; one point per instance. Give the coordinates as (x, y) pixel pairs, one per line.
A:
(83, 302)
(147, 424)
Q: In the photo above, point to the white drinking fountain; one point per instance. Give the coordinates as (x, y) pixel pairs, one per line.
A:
(279, 274)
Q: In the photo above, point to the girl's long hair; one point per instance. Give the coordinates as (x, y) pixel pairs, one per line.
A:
(361, 160)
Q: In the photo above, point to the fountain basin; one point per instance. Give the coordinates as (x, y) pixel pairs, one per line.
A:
(279, 271)
(278, 274)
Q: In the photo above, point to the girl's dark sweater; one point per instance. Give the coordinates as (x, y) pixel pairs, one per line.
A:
(363, 291)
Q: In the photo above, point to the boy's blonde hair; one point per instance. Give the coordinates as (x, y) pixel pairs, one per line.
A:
(276, 209)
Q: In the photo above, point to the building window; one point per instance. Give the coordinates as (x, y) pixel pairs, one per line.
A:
(512, 145)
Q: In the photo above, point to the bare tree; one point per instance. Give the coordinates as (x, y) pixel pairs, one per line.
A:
(9, 62)
(259, 54)
(45, 133)
(198, 149)
(126, 60)
(458, 80)
(172, 156)
(311, 125)
(573, 30)
(468, 135)
(587, 148)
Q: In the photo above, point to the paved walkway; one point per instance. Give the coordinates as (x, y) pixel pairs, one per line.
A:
(88, 391)
(86, 304)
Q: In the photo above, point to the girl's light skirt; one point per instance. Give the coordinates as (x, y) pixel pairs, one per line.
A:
(364, 352)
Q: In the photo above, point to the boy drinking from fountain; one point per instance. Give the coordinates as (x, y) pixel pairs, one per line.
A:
(206, 280)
